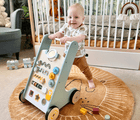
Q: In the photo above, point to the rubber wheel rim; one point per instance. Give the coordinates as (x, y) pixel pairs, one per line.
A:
(75, 96)
(20, 95)
(52, 113)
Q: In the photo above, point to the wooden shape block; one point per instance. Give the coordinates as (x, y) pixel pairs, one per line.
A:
(95, 110)
(83, 111)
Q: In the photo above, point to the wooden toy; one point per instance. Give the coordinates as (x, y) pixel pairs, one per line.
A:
(107, 117)
(83, 111)
(27, 62)
(12, 64)
(95, 110)
(45, 87)
(55, 10)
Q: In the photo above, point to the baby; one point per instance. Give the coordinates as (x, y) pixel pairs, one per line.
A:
(75, 30)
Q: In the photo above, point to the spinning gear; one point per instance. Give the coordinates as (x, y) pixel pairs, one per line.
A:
(134, 10)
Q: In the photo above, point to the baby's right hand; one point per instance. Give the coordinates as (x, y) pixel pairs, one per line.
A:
(52, 36)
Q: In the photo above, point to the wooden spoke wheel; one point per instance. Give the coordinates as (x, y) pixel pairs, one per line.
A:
(52, 113)
(75, 96)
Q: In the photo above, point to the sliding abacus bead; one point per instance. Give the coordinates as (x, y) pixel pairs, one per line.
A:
(51, 76)
(55, 70)
(51, 83)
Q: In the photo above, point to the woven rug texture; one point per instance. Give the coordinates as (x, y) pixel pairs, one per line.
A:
(111, 96)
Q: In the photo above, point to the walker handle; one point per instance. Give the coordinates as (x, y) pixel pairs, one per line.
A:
(59, 40)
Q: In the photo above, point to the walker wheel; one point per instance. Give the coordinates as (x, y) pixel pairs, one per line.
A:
(75, 96)
(52, 113)
(21, 97)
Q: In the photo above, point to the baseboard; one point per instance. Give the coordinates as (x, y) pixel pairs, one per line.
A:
(118, 59)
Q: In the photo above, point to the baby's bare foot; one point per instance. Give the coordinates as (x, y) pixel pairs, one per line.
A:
(91, 84)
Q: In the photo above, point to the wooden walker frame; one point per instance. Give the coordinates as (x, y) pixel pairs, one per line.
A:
(45, 87)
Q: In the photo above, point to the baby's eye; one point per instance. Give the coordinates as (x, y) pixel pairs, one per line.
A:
(70, 17)
(76, 17)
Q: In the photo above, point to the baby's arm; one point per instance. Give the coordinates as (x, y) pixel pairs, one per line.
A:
(56, 35)
(78, 38)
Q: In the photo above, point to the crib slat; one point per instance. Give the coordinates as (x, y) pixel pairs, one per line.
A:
(59, 15)
(86, 7)
(109, 23)
(68, 3)
(59, 12)
(42, 16)
(90, 21)
(136, 35)
(96, 23)
(65, 10)
(102, 6)
(115, 36)
(47, 13)
(53, 16)
(122, 34)
(129, 35)
(106, 7)
(103, 25)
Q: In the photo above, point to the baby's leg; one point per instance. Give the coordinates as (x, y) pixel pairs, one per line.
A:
(91, 84)
(88, 75)
(81, 63)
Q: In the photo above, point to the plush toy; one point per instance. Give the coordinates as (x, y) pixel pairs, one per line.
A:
(4, 20)
(56, 10)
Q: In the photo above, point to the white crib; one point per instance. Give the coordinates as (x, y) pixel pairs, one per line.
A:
(113, 29)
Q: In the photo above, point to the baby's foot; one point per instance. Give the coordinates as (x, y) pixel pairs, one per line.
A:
(91, 84)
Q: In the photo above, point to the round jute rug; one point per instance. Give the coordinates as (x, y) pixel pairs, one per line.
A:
(111, 96)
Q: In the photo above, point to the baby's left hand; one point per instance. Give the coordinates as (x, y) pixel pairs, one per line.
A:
(64, 39)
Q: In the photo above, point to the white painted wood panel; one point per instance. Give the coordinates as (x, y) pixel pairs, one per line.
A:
(118, 59)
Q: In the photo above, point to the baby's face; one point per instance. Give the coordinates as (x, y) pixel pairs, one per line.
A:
(75, 18)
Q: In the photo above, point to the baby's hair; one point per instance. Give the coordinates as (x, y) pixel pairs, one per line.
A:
(78, 6)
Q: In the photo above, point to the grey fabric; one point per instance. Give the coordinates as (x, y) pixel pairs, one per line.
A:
(16, 21)
(7, 34)
(10, 38)
(9, 47)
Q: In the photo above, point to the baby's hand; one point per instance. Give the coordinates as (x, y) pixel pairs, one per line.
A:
(64, 39)
(52, 36)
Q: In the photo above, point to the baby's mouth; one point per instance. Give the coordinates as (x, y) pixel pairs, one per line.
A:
(73, 23)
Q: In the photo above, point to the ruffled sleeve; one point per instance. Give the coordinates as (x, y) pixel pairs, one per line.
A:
(63, 28)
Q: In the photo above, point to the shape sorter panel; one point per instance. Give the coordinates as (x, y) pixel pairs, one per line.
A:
(44, 77)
